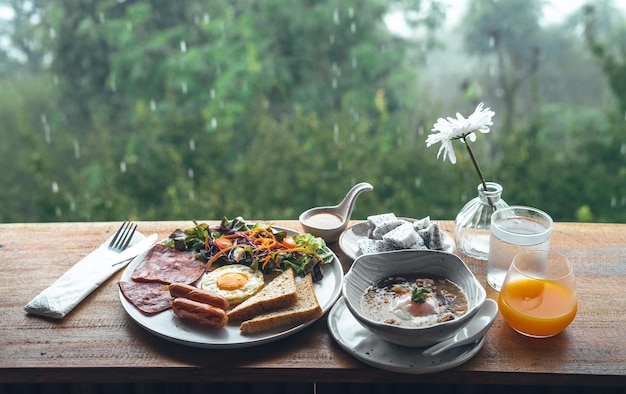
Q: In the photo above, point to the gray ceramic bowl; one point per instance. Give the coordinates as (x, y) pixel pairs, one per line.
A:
(368, 269)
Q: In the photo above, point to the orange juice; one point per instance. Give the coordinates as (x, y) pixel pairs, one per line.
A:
(537, 308)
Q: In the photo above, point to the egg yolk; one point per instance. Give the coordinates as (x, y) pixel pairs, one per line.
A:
(416, 309)
(231, 281)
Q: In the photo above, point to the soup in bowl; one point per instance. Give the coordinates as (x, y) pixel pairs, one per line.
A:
(412, 297)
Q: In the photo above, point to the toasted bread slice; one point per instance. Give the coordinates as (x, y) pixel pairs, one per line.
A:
(304, 309)
(280, 292)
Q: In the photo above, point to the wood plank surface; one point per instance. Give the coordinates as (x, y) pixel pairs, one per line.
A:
(99, 342)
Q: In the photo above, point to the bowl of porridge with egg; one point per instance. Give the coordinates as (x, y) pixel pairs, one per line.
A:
(412, 297)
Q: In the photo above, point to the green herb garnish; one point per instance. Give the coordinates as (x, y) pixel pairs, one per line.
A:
(419, 295)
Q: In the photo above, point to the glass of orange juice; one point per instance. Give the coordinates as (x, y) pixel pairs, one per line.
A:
(538, 295)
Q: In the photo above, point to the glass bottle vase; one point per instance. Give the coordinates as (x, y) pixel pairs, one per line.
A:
(473, 223)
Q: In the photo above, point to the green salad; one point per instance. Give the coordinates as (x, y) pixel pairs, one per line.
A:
(258, 246)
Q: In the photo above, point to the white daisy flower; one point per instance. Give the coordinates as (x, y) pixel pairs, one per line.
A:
(460, 128)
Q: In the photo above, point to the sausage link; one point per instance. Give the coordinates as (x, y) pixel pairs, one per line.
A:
(198, 312)
(193, 293)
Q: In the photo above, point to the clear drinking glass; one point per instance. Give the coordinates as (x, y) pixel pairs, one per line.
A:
(538, 296)
(515, 229)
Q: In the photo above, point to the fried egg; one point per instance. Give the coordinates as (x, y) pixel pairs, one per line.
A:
(234, 282)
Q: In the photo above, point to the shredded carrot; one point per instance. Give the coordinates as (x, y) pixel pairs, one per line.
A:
(218, 254)
(264, 240)
(265, 261)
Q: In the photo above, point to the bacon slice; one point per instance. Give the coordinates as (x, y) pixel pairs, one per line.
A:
(149, 297)
(167, 265)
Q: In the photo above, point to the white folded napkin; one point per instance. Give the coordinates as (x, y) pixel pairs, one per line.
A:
(84, 277)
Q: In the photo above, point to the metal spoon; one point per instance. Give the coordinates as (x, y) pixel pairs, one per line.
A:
(469, 333)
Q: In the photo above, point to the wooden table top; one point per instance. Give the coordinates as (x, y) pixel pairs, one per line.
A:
(99, 342)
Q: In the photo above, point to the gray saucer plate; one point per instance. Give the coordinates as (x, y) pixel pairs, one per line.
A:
(362, 344)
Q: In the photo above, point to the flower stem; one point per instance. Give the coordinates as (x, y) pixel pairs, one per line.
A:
(480, 173)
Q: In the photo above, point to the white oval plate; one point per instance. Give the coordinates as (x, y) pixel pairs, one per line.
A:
(349, 239)
(167, 326)
(362, 344)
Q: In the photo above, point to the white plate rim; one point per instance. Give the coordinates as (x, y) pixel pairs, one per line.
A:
(420, 364)
(349, 238)
(166, 326)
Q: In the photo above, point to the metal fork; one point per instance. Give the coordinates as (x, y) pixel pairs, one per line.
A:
(122, 237)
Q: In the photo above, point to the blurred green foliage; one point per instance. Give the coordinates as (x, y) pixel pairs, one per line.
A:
(149, 110)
